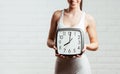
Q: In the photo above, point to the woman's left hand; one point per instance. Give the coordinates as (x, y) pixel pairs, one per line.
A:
(78, 56)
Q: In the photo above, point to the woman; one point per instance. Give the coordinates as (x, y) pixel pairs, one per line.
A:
(73, 17)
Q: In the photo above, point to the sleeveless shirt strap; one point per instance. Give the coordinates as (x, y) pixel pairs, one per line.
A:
(61, 16)
(84, 14)
(62, 13)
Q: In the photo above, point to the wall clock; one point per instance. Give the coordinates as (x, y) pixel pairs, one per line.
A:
(69, 41)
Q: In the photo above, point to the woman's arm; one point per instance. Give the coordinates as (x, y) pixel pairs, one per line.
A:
(91, 29)
(53, 28)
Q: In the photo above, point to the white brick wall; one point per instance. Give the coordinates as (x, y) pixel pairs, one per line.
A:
(24, 26)
(106, 13)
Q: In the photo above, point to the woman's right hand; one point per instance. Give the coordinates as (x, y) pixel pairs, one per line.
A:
(61, 56)
(58, 55)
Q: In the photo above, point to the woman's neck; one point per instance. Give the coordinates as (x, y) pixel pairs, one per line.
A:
(74, 10)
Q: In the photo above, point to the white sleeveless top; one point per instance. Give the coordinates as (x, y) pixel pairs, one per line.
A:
(81, 23)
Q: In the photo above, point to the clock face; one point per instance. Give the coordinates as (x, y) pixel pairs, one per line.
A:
(69, 41)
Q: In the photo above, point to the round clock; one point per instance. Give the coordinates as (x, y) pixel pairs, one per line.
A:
(69, 41)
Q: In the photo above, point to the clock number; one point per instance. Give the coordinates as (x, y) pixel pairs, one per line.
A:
(79, 41)
(59, 41)
(74, 50)
(69, 51)
(79, 47)
(59, 47)
(74, 33)
(69, 33)
(61, 36)
(64, 33)
(78, 36)
(64, 49)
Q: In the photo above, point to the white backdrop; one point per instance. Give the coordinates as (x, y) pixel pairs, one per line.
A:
(24, 26)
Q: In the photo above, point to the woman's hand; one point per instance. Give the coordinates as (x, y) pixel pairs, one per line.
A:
(58, 55)
(62, 56)
(78, 56)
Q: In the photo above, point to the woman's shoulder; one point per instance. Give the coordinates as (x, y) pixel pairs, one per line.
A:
(57, 14)
(89, 18)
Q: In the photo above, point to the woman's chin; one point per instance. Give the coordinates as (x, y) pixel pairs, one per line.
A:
(73, 6)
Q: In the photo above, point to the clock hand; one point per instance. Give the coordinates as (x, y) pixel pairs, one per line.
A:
(71, 39)
(69, 36)
(68, 42)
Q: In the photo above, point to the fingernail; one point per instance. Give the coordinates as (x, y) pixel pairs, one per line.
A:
(73, 56)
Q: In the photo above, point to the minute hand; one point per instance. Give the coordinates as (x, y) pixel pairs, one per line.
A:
(70, 36)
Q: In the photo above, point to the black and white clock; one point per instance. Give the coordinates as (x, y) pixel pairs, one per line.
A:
(69, 41)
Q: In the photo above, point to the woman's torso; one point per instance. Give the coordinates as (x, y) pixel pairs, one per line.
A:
(81, 22)
(72, 65)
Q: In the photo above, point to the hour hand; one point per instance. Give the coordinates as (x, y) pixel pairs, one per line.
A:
(68, 42)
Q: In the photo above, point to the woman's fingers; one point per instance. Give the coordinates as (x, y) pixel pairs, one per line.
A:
(84, 49)
(59, 55)
(54, 47)
(62, 56)
(77, 56)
